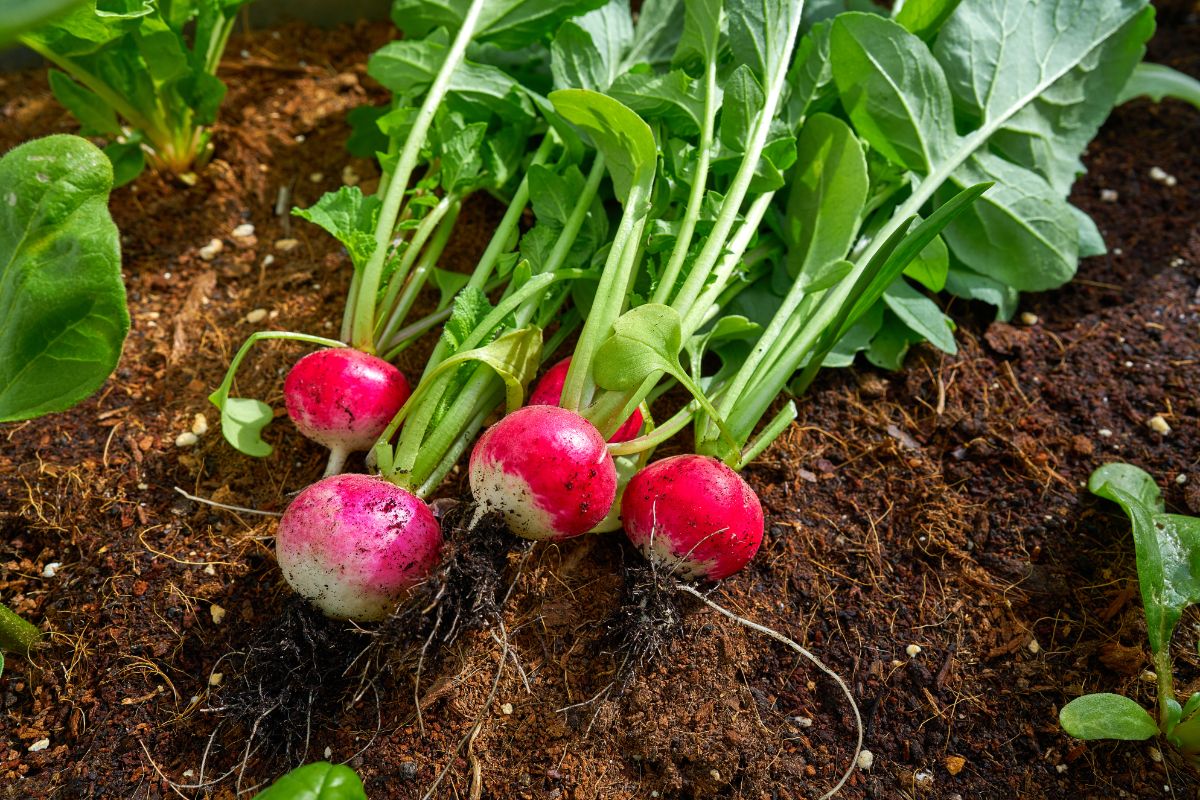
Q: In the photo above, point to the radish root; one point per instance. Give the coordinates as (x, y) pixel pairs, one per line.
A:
(779, 637)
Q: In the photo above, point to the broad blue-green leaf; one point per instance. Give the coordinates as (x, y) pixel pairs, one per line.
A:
(620, 134)
(740, 107)
(811, 76)
(1158, 81)
(350, 217)
(924, 18)
(1021, 232)
(893, 89)
(242, 423)
(587, 51)
(673, 97)
(319, 781)
(891, 343)
(1107, 716)
(828, 191)
(61, 298)
(659, 25)
(1167, 548)
(921, 315)
(962, 282)
(758, 32)
(1091, 242)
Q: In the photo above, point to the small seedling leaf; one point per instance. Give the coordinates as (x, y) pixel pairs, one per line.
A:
(319, 781)
(242, 422)
(1107, 716)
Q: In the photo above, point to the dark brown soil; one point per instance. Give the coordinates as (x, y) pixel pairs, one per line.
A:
(941, 507)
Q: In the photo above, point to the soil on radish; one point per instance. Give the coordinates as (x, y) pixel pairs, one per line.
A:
(942, 507)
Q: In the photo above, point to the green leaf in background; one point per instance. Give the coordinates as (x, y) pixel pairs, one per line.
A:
(931, 266)
(924, 18)
(1167, 548)
(921, 315)
(242, 423)
(701, 37)
(656, 37)
(742, 103)
(964, 283)
(350, 217)
(811, 74)
(890, 343)
(96, 117)
(1157, 81)
(61, 298)
(673, 97)
(758, 32)
(319, 781)
(623, 137)
(587, 51)
(1107, 716)
(18, 16)
(509, 24)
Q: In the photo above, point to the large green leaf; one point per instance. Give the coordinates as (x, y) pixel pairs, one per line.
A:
(61, 298)
(587, 52)
(1107, 716)
(319, 781)
(18, 16)
(619, 133)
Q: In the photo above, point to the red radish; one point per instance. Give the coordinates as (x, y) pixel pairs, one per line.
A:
(343, 398)
(355, 544)
(549, 391)
(547, 470)
(693, 515)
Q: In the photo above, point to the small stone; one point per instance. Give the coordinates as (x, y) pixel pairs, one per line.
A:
(1158, 425)
(1109, 195)
(39, 745)
(215, 678)
(210, 570)
(187, 773)
(506, 709)
(1158, 174)
(913, 650)
(1170, 180)
(1181, 478)
(299, 138)
(317, 177)
(350, 177)
(1149, 676)
(199, 424)
(268, 261)
(286, 245)
(328, 752)
(803, 722)
(1156, 755)
(1127, 364)
(1034, 647)
(1104, 432)
(955, 764)
(217, 612)
(186, 439)
(923, 778)
(1060, 768)
(715, 774)
(257, 315)
(1029, 319)
(143, 486)
(866, 760)
(211, 250)
(243, 231)
(51, 569)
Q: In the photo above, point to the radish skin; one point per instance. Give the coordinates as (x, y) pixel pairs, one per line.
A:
(354, 545)
(549, 389)
(546, 470)
(344, 399)
(694, 516)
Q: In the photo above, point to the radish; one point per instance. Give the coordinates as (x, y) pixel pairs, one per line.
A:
(549, 389)
(693, 515)
(344, 399)
(546, 470)
(353, 545)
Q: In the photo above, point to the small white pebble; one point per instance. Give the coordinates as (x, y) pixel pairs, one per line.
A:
(274, 313)
(187, 773)
(349, 176)
(1177, 262)
(1105, 432)
(866, 760)
(244, 53)
(299, 138)
(215, 678)
(210, 570)
(1156, 755)
(654, 792)
(1127, 364)
(1034, 647)
(1109, 195)
(1158, 425)
(1118, 251)
(1170, 180)
(328, 752)
(716, 774)
(286, 245)
(51, 569)
(269, 260)
(1060, 768)
(913, 650)
(143, 486)
(186, 439)
(317, 177)
(923, 778)
(199, 424)
(803, 722)
(244, 231)
(1149, 676)
(39, 745)
(211, 250)
(1029, 319)
(1158, 174)
(217, 612)
(257, 315)
(1181, 478)
(506, 709)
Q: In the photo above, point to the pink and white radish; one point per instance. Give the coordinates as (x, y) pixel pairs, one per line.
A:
(694, 516)
(344, 399)
(546, 470)
(549, 391)
(354, 545)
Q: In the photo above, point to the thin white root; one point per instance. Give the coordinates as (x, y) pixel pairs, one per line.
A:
(215, 504)
(779, 637)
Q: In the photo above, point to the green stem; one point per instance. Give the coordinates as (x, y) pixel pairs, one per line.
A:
(222, 391)
(460, 444)
(657, 436)
(1166, 683)
(441, 219)
(363, 327)
(16, 635)
(410, 333)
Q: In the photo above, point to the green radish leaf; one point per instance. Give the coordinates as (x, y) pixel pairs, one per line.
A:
(828, 193)
(515, 357)
(701, 37)
(459, 149)
(672, 97)
(857, 339)
(826, 277)
(61, 298)
(1107, 716)
(891, 343)
(366, 139)
(242, 423)
(471, 305)
(921, 315)
(620, 134)
(448, 284)
(1167, 547)
(1190, 707)
(319, 781)
(894, 91)
(128, 161)
(742, 104)
(758, 32)
(811, 76)
(962, 282)
(931, 266)
(18, 16)
(656, 37)
(587, 51)
(509, 24)
(350, 217)
(924, 18)
(96, 117)
(1158, 81)
(1091, 242)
